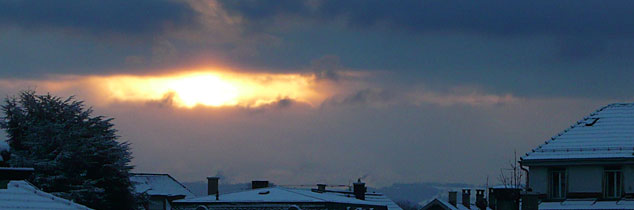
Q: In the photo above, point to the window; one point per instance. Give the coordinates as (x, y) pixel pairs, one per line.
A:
(612, 186)
(558, 183)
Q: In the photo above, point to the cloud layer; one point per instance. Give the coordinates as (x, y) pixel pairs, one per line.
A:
(343, 87)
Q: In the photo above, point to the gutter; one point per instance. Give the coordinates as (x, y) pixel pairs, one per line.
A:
(527, 178)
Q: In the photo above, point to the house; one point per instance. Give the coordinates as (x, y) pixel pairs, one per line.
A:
(15, 193)
(263, 196)
(464, 204)
(589, 165)
(161, 190)
(374, 197)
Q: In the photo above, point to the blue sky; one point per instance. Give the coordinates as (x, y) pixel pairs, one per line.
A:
(411, 90)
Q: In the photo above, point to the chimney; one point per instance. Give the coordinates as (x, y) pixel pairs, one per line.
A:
(321, 188)
(212, 185)
(492, 203)
(453, 198)
(257, 184)
(466, 198)
(359, 190)
(481, 203)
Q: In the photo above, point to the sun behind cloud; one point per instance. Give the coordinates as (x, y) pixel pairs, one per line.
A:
(204, 89)
(208, 88)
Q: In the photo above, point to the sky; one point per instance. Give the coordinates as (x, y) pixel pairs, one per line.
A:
(320, 91)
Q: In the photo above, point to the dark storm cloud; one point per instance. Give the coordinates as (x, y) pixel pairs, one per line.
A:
(569, 18)
(96, 17)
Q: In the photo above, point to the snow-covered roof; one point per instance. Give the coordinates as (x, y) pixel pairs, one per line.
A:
(437, 201)
(607, 133)
(447, 205)
(276, 195)
(22, 195)
(159, 184)
(582, 204)
(377, 198)
(383, 200)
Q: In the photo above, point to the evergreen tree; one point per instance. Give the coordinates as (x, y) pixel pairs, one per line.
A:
(75, 155)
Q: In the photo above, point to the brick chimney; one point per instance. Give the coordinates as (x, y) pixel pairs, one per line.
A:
(481, 203)
(359, 190)
(453, 198)
(257, 184)
(466, 198)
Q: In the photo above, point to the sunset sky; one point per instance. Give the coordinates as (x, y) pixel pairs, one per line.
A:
(300, 92)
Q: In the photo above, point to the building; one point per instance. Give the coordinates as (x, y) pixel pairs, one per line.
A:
(589, 165)
(263, 196)
(15, 193)
(464, 203)
(161, 190)
(374, 197)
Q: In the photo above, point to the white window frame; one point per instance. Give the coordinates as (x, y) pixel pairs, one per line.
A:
(558, 190)
(617, 177)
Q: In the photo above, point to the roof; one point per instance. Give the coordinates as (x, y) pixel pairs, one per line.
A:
(447, 205)
(607, 133)
(383, 200)
(377, 198)
(276, 195)
(22, 195)
(159, 185)
(440, 202)
(587, 204)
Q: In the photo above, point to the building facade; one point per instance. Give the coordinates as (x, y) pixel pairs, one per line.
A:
(590, 164)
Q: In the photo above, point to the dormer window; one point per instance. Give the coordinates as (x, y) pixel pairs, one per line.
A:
(612, 184)
(558, 183)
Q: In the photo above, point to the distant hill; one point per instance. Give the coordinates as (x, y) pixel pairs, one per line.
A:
(412, 192)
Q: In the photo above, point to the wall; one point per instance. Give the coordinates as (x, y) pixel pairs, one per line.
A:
(628, 179)
(538, 179)
(581, 179)
(156, 203)
(585, 179)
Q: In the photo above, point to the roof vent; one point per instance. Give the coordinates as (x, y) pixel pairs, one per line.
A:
(591, 121)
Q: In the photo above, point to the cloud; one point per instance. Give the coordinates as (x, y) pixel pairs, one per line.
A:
(204, 88)
(327, 67)
(414, 96)
(473, 98)
(97, 17)
(570, 18)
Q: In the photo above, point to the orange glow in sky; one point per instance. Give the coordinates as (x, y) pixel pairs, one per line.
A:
(206, 88)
